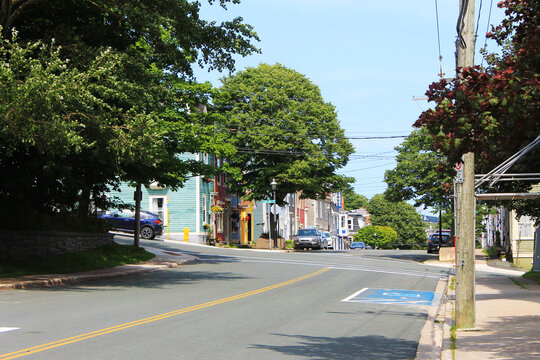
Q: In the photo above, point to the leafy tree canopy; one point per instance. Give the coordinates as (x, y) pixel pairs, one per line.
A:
(170, 33)
(494, 112)
(69, 135)
(380, 237)
(353, 200)
(400, 216)
(282, 129)
(94, 92)
(420, 173)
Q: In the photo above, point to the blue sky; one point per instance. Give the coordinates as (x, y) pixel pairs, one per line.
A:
(369, 58)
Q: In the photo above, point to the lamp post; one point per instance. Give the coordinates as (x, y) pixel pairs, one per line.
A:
(274, 187)
(375, 239)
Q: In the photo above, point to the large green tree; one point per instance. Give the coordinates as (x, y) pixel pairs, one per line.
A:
(170, 33)
(494, 111)
(353, 200)
(421, 173)
(282, 129)
(95, 92)
(400, 216)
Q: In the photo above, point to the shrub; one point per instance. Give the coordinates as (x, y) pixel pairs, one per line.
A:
(386, 237)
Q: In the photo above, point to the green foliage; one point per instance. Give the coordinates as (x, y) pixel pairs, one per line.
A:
(535, 276)
(282, 129)
(100, 258)
(169, 33)
(33, 220)
(95, 92)
(494, 111)
(354, 201)
(71, 135)
(400, 216)
(421, 173)
(386, 237)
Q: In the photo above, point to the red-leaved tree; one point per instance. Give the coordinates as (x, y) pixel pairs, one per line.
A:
(493, 111)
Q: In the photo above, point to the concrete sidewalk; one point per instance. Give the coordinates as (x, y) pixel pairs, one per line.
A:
(507, 320)
(507, 316)
(163, 260)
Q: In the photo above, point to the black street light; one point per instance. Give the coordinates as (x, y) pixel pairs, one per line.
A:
(274, 188)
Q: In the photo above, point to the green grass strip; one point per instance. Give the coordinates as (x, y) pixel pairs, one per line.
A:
(100, 258)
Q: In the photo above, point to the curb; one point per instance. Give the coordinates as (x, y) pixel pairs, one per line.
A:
(50, 280)
(430, 345)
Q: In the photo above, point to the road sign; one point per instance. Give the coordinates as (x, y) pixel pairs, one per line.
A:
(268, 201)
(459, 173)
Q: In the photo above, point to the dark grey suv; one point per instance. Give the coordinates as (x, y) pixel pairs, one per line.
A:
(437, 241)
(308, 238)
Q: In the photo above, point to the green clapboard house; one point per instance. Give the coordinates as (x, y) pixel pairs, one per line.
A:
(185, 208)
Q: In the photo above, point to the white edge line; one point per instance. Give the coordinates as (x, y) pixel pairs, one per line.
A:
(355, 294)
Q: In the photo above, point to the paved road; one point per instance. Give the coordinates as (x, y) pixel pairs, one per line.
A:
(231, 304)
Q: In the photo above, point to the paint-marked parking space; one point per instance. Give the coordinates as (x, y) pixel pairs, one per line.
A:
(392, 297)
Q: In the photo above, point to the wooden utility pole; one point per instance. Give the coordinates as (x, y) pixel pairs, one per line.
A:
(465, 247)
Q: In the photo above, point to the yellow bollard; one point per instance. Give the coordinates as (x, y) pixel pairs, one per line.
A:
(186, 234)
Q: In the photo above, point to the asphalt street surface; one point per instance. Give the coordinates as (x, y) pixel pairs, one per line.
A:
(231, 304)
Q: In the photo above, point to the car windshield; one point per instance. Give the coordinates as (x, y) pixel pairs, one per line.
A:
(310, 232)
(436, 237)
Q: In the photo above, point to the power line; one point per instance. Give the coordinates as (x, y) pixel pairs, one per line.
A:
(318, 135)
(368, 168)
(441, 74)
(487, 30)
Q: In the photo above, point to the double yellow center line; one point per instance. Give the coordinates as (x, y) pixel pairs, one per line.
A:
(81, 337)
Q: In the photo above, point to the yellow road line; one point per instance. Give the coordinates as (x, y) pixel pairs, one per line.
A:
(81, 337)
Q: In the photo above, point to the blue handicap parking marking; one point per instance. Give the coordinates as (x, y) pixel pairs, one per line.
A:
(393, 296)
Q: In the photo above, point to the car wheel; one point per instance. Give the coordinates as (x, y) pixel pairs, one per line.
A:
(147, 233)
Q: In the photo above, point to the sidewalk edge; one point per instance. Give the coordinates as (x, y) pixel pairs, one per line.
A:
(432, 335)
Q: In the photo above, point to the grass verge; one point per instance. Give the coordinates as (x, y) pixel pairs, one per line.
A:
(533, 276)
(518, 283)
(452, 285)
(101, 258)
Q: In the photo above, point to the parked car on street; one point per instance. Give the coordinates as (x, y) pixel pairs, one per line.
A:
(327, 240)
(308, 238)
(438, 240)
(124, 220)
(358, 245)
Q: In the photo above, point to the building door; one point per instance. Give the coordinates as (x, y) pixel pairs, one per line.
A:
(158, 206)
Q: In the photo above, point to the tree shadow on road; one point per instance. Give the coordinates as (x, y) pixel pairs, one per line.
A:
(342, 348)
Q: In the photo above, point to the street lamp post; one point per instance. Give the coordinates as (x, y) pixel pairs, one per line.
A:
(375, 239)
(274, 187)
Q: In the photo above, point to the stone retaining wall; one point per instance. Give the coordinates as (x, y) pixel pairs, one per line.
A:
(16, 245)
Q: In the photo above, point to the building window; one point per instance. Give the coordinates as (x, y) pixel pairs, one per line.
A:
(219, 221)
(204, 209)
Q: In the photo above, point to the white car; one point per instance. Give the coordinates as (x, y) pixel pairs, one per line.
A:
(327, 240)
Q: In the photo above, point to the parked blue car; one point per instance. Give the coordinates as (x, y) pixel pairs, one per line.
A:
(124, 220)
(358, 245)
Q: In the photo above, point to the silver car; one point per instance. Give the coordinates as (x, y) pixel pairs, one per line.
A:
(308, 238)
